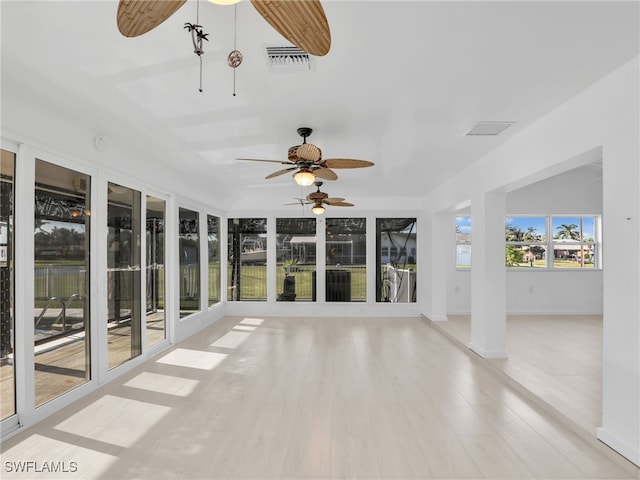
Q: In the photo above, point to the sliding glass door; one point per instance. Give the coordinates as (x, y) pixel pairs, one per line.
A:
(123, 274)
(156, 318)
(61, 280)
(7, 343)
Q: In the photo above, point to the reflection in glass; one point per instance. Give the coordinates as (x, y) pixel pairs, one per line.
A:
(189, 262)
(213, 242)
(123, 274)
(247, 265)
(396, 260)
(7, 364)
(155, 318)
(346, 277)
(296, 259)
(61, 280)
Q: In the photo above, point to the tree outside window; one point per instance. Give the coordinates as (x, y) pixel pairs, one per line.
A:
(526, 239)
(574, 244)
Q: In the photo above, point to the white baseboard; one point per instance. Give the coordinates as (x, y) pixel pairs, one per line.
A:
(488, 354)
(623, 448)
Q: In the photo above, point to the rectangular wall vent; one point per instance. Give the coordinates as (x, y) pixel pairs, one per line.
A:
(489, 128)
(288, 58)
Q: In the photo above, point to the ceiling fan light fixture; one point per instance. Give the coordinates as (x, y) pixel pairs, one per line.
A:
(318, 209)
(304, 177)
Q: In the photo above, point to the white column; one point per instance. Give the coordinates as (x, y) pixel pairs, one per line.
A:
(488, 276)
(442, 235)
(621, 300)
(24, 356)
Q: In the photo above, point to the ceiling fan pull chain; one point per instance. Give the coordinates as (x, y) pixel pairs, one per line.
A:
(197, 36)
(235, 57)
(200, 89)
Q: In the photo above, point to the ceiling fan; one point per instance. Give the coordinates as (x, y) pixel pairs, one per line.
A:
(318, 198)
(302, 22)
(307, 161)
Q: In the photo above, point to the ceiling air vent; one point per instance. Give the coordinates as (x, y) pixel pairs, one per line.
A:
(489, 128)
(288, 59)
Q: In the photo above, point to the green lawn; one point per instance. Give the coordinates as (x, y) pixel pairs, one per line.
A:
(253, 282)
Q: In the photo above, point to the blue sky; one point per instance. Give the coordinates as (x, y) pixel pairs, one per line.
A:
(464, 224)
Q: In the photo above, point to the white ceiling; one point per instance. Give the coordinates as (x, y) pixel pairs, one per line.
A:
(402, 84)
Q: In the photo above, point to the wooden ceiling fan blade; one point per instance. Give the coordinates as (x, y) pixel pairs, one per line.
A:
(339, 204)
(347, 163)
(325, 173)
(282, 162)
(280, 172)
(302, 22)
(332, 200)
(136, 17)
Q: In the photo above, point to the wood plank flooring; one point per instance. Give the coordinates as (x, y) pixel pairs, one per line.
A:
(302, 398)
(556, 357)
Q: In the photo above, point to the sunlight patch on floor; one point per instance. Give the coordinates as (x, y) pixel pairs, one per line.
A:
(244, 328)
(116, 420)
(168, 384)
(193, 358)
(256, 322)
(42, 457)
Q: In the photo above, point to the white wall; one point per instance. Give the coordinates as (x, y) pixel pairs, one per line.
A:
(536, 293)
(577, 191)
(605, 116)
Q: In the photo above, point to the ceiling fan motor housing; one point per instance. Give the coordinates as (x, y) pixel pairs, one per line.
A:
(306, 152)
(317, 196)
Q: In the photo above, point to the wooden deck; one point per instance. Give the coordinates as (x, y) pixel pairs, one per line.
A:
(60, 365)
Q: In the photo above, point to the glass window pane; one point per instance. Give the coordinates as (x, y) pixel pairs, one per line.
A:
(213, 242)
(588, 229)
(566, 228)
(247, 263)
(463, 241)
(526, 239)
(463, 256)
(296, 259)
(526, 229)
(189, 262)
(574, 242)
(61, 280)
(396, 260)
(463, 229)
(155, 318)
(346, 263)
(531, 256)
(7, 359)
(124, 315)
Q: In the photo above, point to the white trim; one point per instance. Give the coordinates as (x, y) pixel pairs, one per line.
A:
(487, 353)
(620, 446)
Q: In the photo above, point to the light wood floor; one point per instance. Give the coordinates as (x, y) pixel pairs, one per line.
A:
(558, 358)
(302, 398)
